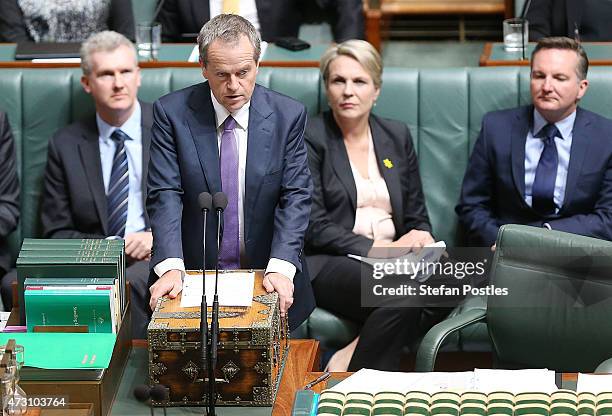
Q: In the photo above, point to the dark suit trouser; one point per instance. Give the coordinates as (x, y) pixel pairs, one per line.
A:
(384, 331)
(136, 273)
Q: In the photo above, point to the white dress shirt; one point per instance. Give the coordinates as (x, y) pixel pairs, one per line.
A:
(247, 9)
(133, 147)
(241, 132)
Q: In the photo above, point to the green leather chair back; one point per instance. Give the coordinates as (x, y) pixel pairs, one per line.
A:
(442, 107)
(557, 312)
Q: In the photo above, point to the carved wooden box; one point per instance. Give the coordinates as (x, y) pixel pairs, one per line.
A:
(253, 347)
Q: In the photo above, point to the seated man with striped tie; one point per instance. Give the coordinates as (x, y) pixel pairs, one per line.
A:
(97, 167)
(548, 164)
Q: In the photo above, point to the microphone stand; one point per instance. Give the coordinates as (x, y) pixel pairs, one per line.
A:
(205, 201)
(214, 328)
(219, 204)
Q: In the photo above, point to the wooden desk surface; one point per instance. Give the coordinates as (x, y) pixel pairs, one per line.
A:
(304, 357)
(173, 55)
(493, 54)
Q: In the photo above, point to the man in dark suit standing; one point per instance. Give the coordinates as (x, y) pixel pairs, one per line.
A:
(231, 135)
(182, 19)
(9, 196)
(547, 165)
(97, 167)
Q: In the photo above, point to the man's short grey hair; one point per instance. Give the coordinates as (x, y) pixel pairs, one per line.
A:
(105, 41)
(228, 28)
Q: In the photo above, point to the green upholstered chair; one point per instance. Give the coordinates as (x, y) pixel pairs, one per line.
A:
(557, 310)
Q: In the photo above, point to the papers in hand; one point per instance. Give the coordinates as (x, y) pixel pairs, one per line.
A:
(415, 262)
(235, 289)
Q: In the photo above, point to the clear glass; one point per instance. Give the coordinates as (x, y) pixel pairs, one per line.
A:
(148, 40)
(516, 34)
(14, 399)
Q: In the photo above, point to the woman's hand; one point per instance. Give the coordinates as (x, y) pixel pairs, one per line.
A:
(415, 240)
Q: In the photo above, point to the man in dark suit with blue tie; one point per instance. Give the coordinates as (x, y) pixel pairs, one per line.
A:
(96, 169)
(231, 135)
(548, 164)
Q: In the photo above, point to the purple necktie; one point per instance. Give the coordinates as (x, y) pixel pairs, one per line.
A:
(229, 252)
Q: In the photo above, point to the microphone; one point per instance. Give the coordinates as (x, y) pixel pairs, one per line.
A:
(526, 9)
(142, 393)
(523, 17)
(205, 202)
(157, 10)
(160, 393)
(219, 204)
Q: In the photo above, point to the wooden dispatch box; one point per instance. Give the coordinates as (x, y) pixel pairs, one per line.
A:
(253, 348)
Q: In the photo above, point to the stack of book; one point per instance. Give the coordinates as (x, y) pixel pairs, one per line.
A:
(415, 403)
(72, 282)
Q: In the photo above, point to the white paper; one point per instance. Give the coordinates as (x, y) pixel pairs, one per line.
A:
(235, 289)
(594, 383)
(515, 381)
(431, 253)
(374, 381)
(4, 316)
(194, 56)
(57, 60)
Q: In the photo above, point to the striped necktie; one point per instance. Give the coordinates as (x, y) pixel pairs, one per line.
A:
(231, 6)
(118, 187)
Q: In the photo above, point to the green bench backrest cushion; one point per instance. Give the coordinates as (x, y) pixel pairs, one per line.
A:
(442, 107)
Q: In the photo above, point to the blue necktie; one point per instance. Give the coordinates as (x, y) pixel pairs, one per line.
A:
(118, 187)
(546, 173)
(229, 252)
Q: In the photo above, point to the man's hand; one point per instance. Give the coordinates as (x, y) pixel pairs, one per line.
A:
(281, 284)
(138, 245)
(169, 284)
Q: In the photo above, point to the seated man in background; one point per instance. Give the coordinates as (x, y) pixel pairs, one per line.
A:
(344, 16)
(96, 170)
(9, 196)
(548, 164)
(182, 19)
(586, 20)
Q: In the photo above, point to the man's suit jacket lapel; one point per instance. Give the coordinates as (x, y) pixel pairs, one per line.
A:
(580, 146)
(520, 128)
(259, 141)
(89, 152)
(146, 121)
(202, 124)
(384, 149)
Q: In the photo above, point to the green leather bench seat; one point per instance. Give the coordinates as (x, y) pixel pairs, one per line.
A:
(443, 108)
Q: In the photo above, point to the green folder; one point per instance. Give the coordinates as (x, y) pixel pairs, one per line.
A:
(64, 350)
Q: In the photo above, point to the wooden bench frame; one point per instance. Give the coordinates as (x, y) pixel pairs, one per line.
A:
(378, 12)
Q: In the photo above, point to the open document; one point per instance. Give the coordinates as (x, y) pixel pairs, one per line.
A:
(235, 289)
(416, 263)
